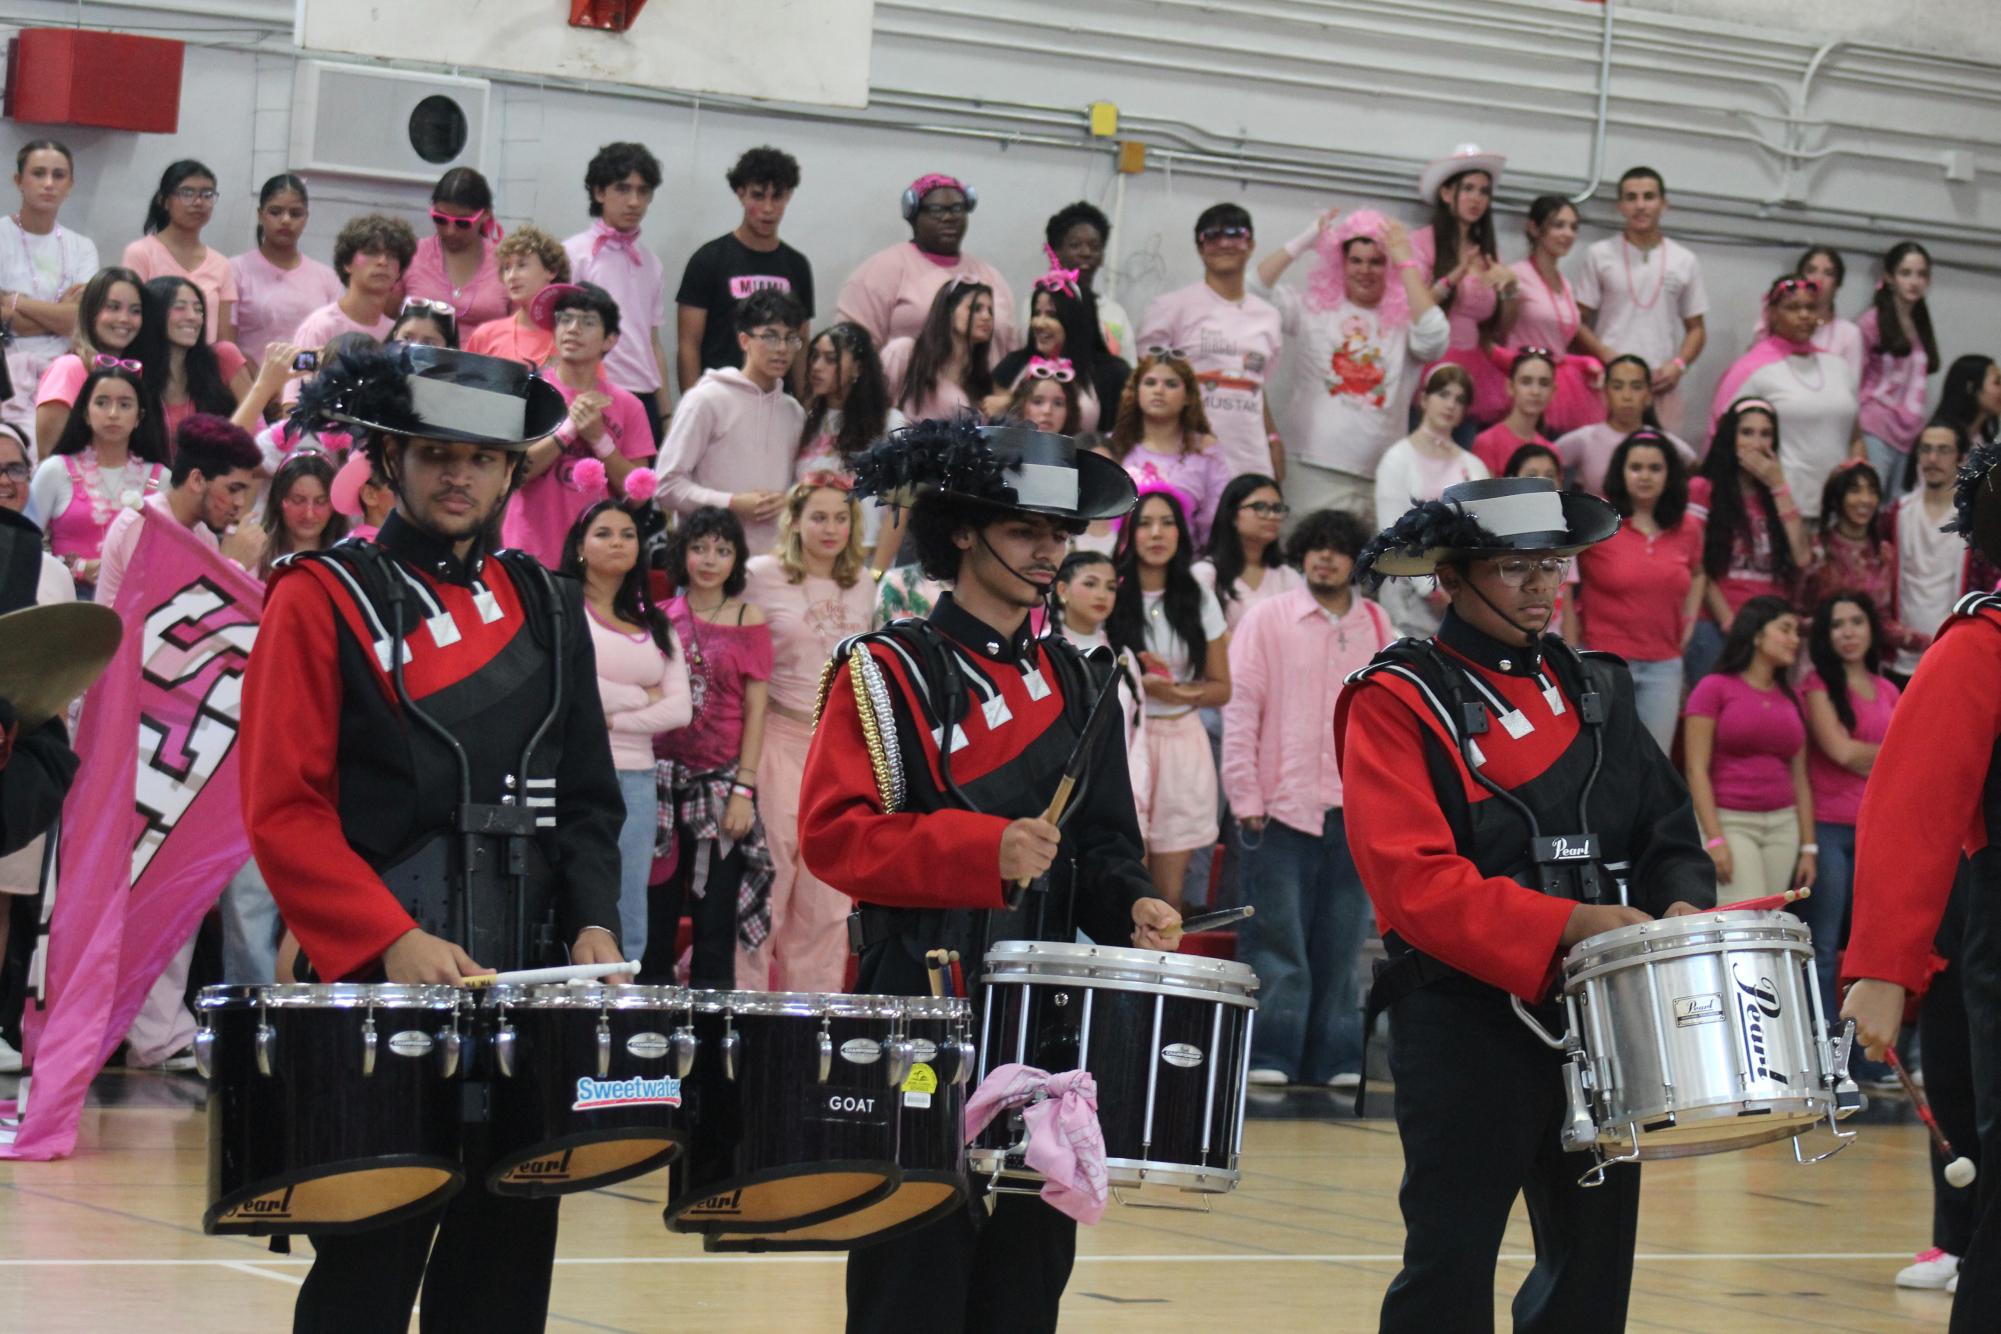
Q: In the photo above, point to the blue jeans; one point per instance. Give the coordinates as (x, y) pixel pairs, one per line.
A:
(250, 928)
(1704, 647)
(1657, 698)
(635, 856)
(1890, 464)
(1823, 911)
(1306, 945)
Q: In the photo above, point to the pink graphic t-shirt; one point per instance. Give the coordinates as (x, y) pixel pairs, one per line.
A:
(1234, 347)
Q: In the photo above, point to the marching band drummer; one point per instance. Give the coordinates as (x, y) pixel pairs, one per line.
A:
(931, 836)
(404, 692)
(1503, 793)
(1934, 792)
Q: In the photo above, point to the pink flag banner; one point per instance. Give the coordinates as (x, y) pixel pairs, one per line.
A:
(152, 830)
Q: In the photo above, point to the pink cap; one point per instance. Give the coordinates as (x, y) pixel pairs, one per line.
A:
(347, 483)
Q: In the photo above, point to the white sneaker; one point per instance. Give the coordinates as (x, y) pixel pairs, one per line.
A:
(1347, 1081)
(10, 1060)
(1933, 1269)
(1269, 1077)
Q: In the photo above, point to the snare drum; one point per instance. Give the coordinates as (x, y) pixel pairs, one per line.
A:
(931, 1150)
(1695, 1035)
(586, 1083)
(1167, 1037)
(331, 1108)
(792, 1107)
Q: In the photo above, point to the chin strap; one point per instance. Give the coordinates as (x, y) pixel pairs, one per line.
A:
(1048, 592)
(1534, 636)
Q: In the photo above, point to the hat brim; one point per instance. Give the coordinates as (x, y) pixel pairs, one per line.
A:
(542, 306)
(1436, 174)
(543, 407)
(1587, 522)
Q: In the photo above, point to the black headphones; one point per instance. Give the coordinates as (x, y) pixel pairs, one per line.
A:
(912, 199)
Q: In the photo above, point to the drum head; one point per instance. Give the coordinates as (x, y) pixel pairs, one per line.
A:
(921, 1199)
(783, 1199)
(342, 1197)
(1110, 966)
(582, 1162)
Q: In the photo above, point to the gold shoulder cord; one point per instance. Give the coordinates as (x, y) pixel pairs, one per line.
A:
(877, 719)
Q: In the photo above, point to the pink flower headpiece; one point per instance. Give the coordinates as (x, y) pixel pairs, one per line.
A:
(1059, 279)
(1328, 287)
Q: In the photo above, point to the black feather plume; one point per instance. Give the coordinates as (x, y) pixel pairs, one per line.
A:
(1428, 525)
(363, 385)
(947, 455)
(1973, 475)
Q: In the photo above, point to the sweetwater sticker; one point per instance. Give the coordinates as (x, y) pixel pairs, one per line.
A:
(918, 1088)
(1692, 1010)
(1184, 1054)
(594, 1095)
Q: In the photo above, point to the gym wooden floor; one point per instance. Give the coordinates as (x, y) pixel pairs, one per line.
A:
(111, 1239)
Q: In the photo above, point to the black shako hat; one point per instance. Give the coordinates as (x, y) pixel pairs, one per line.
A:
(432, 392)
(1493, 517)
(1976, 498)
(1008, 467)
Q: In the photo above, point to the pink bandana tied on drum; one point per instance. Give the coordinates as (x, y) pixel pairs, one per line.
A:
(1064, 1141)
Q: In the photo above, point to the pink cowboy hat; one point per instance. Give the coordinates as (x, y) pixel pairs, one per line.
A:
(1466, 157)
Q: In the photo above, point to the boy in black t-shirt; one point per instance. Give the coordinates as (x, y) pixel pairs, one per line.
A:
(748, 259)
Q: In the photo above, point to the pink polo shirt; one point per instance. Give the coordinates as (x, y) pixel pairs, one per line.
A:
(631, 274)
(1633, 587)
(540, 514)
(478, 301)
(149, 258)
(271, 302)
(1289, 660)
(1497, 444)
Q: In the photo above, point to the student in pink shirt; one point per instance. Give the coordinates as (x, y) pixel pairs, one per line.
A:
(172, 245)
(1046, 398)
(370, 255)
(1244, 561)
(110, 456)
(891, 292)
(1289, 660)
(620, 182)
(299, 513)
(184, 373)
(422, 321)
(948, 367)
(1899, 353)
(1754, 541)
(1827, 270)
(1629, 406)
(1531, 384)
(455, 263)
(529, 259)
(43, 269)
(733, 440)
(1161, 431)
(606, 424)
(813, 596)
(1062, 325)
(1547, 316)
(1744, 752)
(1231, 337)
(642, 684)
(1456, 253)
(108, 319)
(276, 286)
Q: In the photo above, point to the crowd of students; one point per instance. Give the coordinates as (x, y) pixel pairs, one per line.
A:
(721, 556)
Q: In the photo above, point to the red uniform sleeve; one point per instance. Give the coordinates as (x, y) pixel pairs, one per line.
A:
(1922, 804)
(332, 900)
(1488, 927)
(943, 859)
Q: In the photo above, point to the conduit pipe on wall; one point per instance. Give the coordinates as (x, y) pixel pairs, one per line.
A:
(1604, 112)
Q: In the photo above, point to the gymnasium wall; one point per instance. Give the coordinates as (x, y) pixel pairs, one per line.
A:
(1767, 139)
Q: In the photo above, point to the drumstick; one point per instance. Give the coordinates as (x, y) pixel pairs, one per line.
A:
(569, 972)
(1959, 1170)
(1080, 754)
(1209, 921)
(953, 971)
(934, 964)
(1768, 903)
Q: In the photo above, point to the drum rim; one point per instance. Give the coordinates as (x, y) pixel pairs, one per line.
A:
(1649, 939)
(797, 1004)
(590, 996)
(1026, 956)
(1125, 1173)
(945, 1008)
(332, 995)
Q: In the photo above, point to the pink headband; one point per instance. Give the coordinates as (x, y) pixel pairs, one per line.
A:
(1757, 404)
(934, 180)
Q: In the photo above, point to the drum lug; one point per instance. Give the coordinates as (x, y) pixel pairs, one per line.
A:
(368, 1044)
(604, 1045)
(826, 1051)
(899, 1060)
(732, 1045)
(503, 1048)
(448, 1052)
(684, 1051)
(205, 1052)
(267, 1042)
(966, 1059)
(1581, 1130)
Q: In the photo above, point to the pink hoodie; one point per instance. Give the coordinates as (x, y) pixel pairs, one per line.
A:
(729, 436)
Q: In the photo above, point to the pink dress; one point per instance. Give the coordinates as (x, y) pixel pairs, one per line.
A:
(1547, 317)
(479, 301)
(1473, 303)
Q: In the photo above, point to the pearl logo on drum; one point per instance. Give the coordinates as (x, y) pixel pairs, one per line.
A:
(410, 1042)
(1757, 1002)
(861, 1051)
(1184, 1054)
(647, 1046)
(595, 1095)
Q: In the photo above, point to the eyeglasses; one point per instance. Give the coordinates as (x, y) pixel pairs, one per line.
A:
(108, 363)
(1211, 235)
(189, 194)
(424, 305)
(453, 220)
(1267, 509)
(943, 210)
(584, 320)
(15, 472)
(772, 338)
(1516, 570)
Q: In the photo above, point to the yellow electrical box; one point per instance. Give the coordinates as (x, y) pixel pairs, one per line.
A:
(1104, 120)
(1132, 157)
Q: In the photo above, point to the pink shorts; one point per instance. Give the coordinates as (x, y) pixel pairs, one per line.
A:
(1181, 817)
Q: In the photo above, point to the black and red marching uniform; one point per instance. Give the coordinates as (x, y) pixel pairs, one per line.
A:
(933, 736)
(388, 707)
(1492, 788)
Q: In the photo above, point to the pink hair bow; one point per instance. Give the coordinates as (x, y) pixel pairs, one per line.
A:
(1066, 281)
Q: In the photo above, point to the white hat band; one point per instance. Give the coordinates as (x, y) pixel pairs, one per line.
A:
(459, 407)
(1044, 484)
(1524, 512)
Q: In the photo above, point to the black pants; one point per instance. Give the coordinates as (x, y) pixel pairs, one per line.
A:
(1948, 1059)
(972, 1273)
(1478, 1104)
(483, 1262)
(1979, 1296)
(712, 961)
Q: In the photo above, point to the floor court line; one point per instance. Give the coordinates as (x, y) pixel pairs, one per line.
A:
(263, 1267)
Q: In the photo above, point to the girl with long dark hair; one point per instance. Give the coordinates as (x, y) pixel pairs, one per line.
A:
(184, 372)
(945, 369)
(1629, 405)
(1456, 253)
(1970, 398)
(1899, 354)
(1162, 432)
(1744, 752)
(1244, 562)
(1754, 541)
(455, 264)
(1848, 704)
(172, 246)
(847, 410)
(1854, 552)
(1063, 324)
(109, 458)
(1531, 386)
(642, 684)
(1547, 316)
(299, 513)
(1174, 628)
(276, 286)
(108, 319)
(1086, 587)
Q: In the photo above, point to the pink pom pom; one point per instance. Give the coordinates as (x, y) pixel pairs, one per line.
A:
(588, 476)
(640, 484)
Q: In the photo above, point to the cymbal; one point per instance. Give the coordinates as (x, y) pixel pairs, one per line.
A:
(50, 654)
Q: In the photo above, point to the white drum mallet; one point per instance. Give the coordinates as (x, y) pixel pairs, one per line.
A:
(1959, 1170)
